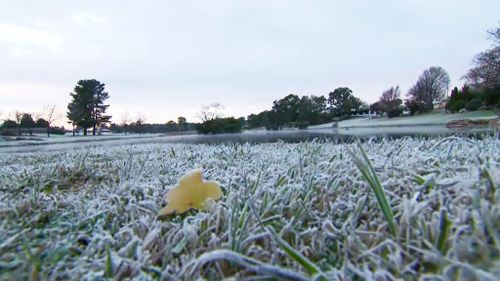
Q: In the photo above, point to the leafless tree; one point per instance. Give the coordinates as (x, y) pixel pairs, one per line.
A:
(139, 122)
(432, 85)
(486, 70)
(18, 115)
(210, 112)
(495, 35)
(50, 115)
(124, 122)
(390, 95)
(390, 101)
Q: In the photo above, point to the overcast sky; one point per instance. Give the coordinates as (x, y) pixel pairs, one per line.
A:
(169, 58)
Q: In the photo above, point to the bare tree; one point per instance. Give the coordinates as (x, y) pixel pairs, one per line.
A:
(495, 35)
(486, 70)
(50, 115)
(124, 122)
(390, 102)
(19, 116)
(432, 85)
(390, 95)
(139, 122)
(210, 112)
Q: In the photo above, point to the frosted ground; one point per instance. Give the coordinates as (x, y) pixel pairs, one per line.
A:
(292, 211)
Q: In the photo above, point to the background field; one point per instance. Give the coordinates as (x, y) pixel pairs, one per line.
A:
(428, 119)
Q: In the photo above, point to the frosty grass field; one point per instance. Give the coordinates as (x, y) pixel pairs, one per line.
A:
(425, 209)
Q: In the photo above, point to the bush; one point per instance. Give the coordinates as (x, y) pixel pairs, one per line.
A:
(57, 131)
(220, 126)
(491, 96)
(8, 133)
(394, 113)
(9, 124)
(474, 104)
(456, 105)
(272, 127)
(302, 125)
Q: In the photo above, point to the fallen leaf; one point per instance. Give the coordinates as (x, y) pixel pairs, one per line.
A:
(190, 193)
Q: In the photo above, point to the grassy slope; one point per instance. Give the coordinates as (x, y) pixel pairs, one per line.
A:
(86, 214)
(438, 118)
(68, 138)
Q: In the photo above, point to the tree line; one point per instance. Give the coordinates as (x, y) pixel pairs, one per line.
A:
(139, 126)
(341, 103)
(481, 90)
(483, 81)
(87, 108)
(24, 121)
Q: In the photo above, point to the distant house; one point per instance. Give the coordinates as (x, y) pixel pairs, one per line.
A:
(440, 104)
(104, 131)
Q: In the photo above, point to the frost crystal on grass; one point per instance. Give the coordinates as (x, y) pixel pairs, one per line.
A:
(90, 214)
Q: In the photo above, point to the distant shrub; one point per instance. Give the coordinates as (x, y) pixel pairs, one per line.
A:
(220, 126)
(9, 124)
(395, 112)
(302, 125)
(57, 131)
(456, 105)
(491, 96)
(474, 104)
(272, 127)
(8, 133)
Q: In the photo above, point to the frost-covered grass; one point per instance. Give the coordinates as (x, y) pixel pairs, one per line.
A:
(435, 118)
(69, 138)
(291, 211)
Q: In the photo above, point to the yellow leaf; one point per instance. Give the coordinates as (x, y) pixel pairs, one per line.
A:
(190, 192)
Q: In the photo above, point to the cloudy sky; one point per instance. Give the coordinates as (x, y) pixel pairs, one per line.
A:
(169, 58)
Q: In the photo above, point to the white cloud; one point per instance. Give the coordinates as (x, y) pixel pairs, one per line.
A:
(84, 19)
(19, 51)
(22, 39)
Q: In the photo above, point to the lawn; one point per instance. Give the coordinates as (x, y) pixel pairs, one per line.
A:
(68, 138)
(437, 118)
(290, 211)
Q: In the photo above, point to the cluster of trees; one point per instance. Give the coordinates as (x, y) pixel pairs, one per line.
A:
(483, 88)
(23, 121)
(291, 111)
(473, 99)
(87, 109)
(139, 126)
(212, 121)
(295, 111)
(220, 125)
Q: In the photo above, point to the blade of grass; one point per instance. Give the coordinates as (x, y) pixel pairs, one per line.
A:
(485, 174)
(308, 265)
(249, 263)
(365, 167)
(109, 263)
(311, 268)
(444, 226)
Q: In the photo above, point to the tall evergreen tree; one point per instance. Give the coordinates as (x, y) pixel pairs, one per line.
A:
(87, 108)
(27, 123)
